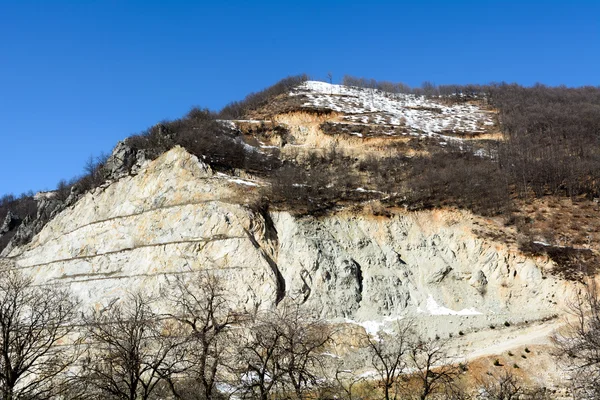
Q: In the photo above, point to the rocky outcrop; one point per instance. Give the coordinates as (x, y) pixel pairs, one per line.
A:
(177, 216)
(479, 281)
(24, 230)
(11, 221)
(123, 160)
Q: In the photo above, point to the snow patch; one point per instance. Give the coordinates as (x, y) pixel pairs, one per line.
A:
(363, 190)
(542, 243)
(435, 309)
(369, 374)
(373, 327)
(418, 113)
(265, 146)
(242, 182)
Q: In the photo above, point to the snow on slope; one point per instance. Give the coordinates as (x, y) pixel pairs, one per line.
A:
(435, 309)
(417, 113)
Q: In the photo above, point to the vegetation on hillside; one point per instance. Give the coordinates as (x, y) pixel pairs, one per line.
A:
(254, 101)
(202, 134)
(550, 147)
(551, 140)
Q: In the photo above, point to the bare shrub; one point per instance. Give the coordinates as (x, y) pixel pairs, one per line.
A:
(239, 109)
(213, 142)
(552, 137)
(501, 386)
(458, 179)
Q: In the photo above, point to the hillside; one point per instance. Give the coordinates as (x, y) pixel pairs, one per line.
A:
(366, 206)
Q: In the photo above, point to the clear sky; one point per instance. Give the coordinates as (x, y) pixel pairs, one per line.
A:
(77, 76)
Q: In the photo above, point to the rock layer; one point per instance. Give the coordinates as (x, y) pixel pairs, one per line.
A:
(177, 216)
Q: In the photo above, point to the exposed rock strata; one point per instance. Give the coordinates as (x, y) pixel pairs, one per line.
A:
(178, 216)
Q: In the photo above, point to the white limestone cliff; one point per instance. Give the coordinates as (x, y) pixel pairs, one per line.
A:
(177, 216)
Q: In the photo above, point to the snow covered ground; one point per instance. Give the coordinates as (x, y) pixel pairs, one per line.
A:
(435, 309)
(418, 114)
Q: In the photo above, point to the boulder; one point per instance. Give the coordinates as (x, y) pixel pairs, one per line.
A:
(479, 281)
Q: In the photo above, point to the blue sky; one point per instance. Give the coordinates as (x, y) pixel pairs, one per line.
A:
(77, 76)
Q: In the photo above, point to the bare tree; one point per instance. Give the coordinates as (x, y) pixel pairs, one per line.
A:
(388, 356)
(283, 351)
(63, 189)
(33, 322)
(429, 88)
(93, 172)
(201, 305)
(128, 351)
(402, 358)
(259, 359)
(578, 344)
(433, 368)
(303, 343)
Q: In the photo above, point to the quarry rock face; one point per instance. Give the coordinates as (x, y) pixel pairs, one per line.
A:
(140, 230)
(177, 216)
